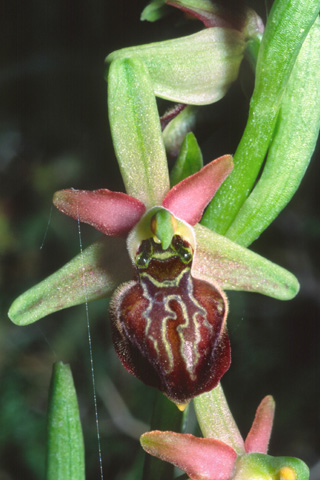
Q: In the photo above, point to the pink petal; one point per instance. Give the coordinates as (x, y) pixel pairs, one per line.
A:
(258, 438)
(112, 213)
(200, 458)
(188, 199)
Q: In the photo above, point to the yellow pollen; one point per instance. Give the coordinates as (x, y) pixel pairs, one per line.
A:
(287, 473)
(182, 407)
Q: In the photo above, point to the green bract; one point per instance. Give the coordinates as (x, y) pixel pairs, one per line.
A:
(197, 69)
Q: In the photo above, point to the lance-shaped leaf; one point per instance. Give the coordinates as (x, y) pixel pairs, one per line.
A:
(216, 420)
(136, 131)
(197, 69)
(200, 458)
(188, 199)
(112, 213)
(189, 160)
(260, 432)
(93, 274)
(233, 267)
(65, 448)
(286, 29)
(291, 149)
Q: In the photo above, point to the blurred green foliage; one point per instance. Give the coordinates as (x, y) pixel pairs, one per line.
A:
(54, 134)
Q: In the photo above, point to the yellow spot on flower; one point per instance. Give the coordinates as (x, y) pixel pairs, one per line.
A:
(182, 407)
(287, 473)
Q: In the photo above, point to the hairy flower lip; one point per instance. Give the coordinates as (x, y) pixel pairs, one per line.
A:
(171, 333)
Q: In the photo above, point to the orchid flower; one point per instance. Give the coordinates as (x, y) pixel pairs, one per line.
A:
(214, 459)
(166, 272)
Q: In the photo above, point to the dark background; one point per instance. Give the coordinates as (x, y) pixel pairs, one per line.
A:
(54, 134)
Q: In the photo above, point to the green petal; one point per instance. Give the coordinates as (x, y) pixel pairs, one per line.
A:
(136, 131)
(189, 160)
(91, 275)
(291, 149)
(65, 448)
(233, 267)
(286, 29)
(197, 69)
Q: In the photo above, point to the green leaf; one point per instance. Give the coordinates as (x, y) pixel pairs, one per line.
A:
(65, 447)
(287, 27)
(189, 160)
(136, 131)
(291, 149)
(216, 420)
(232, 267)
(91, 275)
(197, 69)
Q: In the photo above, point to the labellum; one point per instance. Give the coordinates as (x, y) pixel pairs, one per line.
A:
(168, 327)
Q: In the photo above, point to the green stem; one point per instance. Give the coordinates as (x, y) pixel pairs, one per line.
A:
(216, 420)
(287, 27)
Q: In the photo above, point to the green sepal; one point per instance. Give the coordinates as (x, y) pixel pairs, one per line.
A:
(65, 447)
(232, 267)
(189, 160)
(136, 131)
(94, 274)
(258, 466)
(197, 69)
(216, 420)
(291, 149)
(154, 11)
(286, 29)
